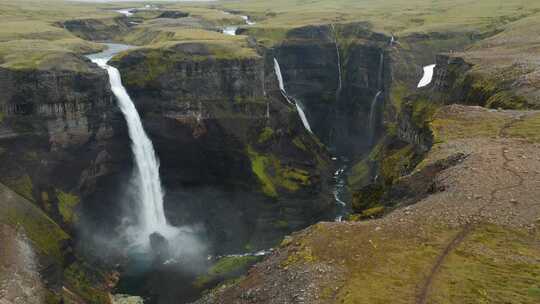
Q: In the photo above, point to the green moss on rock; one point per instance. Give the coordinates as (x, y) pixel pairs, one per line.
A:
(67, 203)
(527, 128)
(226, 267)
(297, 142)
(422, 111)
(395, 163)
(23, 186)
(273, 175)
(265, 135)
(368, 197)
(80, 278)
(359, 175)
(45, 234)
(506, 100)
(259, 166)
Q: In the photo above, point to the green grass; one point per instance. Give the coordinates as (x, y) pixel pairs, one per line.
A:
(29, 37)
(274, 176)
(359, 174)
(82, 279)
(265, 135)
(259, 166)
(494, 263)
(450, 126)
(528, 128)
(397, 16)
(224, 268)
(23, 186)
(44, 233)
(490, 267)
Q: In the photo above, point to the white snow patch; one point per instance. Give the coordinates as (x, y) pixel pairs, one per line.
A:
(428, 75)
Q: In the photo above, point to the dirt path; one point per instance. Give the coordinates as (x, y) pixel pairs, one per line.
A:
(469, 227)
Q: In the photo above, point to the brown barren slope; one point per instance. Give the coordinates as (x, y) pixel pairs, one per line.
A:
(476, 241)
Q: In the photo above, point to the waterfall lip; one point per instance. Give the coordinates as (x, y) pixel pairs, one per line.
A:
(111, 50)
(428, 76)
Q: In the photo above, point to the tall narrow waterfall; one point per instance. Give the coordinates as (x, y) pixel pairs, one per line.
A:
(380, 72)
(374, 104)
(372, 117)
(299, 107)
(302, 115)
(338, 59)
(279, 76)
(150, 213)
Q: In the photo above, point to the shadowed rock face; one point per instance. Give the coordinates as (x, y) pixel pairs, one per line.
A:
(60, 133)
(309, 62)
(97, 30)
(212, 122)
(173, 14)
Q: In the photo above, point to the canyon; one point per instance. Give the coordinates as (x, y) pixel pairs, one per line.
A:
(319, 162)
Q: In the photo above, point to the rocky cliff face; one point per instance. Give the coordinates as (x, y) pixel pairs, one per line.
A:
(64, 148)
(230, 146)
(60, 136)
(336, 71)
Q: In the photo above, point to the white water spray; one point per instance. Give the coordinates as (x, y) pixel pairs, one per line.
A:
(428, 75)
(151, 214)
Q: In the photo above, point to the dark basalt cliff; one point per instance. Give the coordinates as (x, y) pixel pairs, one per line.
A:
(61, 140)
(336, 71)
(60, 133)
(230, 146)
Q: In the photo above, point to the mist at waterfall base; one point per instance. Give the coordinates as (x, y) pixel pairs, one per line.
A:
(156, 254)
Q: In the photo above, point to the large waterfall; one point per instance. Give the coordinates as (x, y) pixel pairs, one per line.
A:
(150, 213)
(298, 104)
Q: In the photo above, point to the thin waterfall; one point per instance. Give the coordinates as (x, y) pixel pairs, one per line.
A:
(340, 79)
(299, 106)
(302, 115)
(372, 117)
(150, 214)
(279, 76)
(374, 103)
(380, 73)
